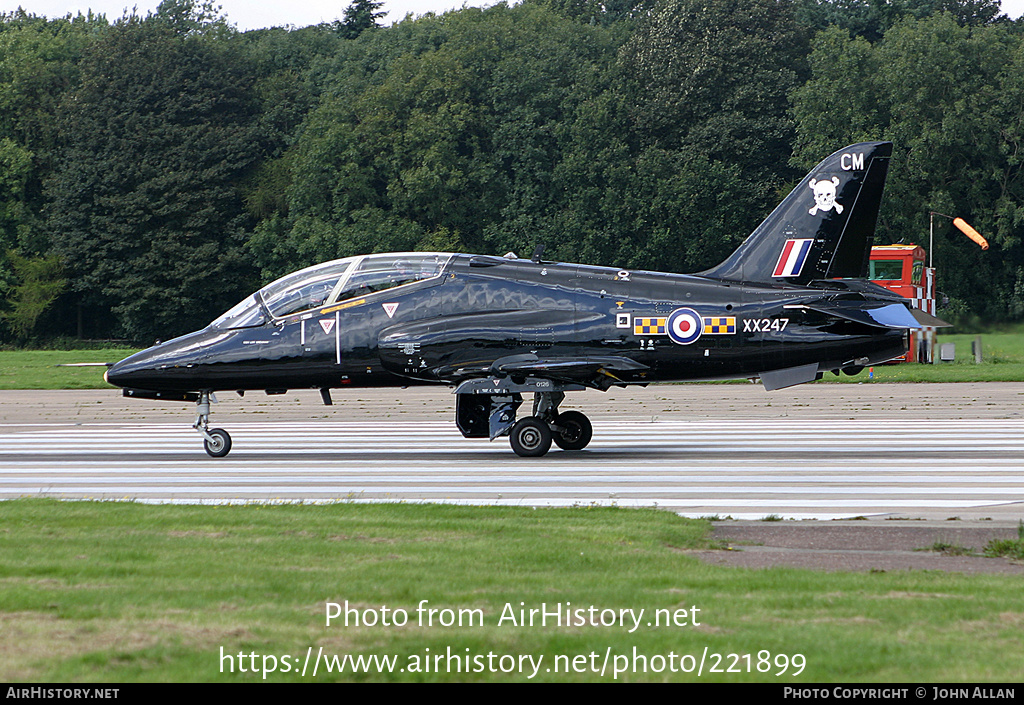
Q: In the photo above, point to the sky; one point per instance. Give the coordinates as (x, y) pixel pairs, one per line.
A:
(255, 14)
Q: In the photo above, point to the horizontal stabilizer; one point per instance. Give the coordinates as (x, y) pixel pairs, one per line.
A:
(876, 315)
(926, 319)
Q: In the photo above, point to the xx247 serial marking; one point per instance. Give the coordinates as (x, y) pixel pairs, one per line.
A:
(765, 325)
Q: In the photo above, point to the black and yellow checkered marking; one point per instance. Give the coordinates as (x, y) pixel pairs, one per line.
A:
(649, 326)
(719, 325)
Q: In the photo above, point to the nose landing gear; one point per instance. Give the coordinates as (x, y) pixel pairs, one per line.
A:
(216, 441)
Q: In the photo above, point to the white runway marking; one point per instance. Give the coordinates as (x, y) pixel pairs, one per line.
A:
(743, 469)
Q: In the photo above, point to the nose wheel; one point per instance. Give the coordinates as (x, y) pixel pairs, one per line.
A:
(216, 441)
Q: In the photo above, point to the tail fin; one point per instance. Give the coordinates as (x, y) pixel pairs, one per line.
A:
(823, 229)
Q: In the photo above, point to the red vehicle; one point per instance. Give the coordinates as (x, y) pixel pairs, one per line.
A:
(901, 269)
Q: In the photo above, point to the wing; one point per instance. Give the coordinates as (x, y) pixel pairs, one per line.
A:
(598, 372)
(482, 345)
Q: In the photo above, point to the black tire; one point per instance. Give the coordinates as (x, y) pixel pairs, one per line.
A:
(576, 431)
(221, 444)
(530, 437)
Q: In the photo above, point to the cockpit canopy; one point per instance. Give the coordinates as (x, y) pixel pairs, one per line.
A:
(331, 282)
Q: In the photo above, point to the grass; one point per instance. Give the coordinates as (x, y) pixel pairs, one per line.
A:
(950, 549)
(1007, 548)
(39, 369)
(1002, 361)
(121, 592)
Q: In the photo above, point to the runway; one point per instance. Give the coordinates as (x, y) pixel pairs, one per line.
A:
(812, 454)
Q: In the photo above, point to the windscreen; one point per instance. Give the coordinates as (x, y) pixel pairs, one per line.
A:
(246, 314)
(305, 289)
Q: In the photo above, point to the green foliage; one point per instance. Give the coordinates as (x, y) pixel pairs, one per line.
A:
(871, 19)
(15, 170)
(191, 18)
(360, 16)
(950, 549)
(38, 65)
(281, 246)
(972, 13)
(170, 158)
(1007, 548)
(453, 129)
(38, 284)
(596, 12)
(286, 90)
(949, 97)
(38, 60)
(658, 210)
(683, 144)
(511, 127)
(146, 207)
(713, 77)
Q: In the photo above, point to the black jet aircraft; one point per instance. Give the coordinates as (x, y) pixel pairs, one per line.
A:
(790, 304)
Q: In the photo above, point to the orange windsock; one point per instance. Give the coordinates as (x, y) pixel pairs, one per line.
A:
(970, 232)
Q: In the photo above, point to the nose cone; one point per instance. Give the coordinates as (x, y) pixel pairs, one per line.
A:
(132, 370)
(173, 365)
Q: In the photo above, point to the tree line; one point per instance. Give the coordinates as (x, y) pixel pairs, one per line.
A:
(154, 170)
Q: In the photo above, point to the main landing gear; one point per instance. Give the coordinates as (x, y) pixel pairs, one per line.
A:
(216, 440)
(531, 437)
(487, 409)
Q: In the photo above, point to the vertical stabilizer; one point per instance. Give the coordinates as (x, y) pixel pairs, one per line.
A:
(823, 229)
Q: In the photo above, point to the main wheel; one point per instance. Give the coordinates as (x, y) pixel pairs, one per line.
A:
(220, 445)
(576, 430)
(530, 437)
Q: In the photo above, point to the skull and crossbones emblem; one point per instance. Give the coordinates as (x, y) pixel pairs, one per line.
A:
(825, 195)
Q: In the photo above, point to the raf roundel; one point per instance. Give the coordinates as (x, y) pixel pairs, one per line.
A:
(685, 326)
